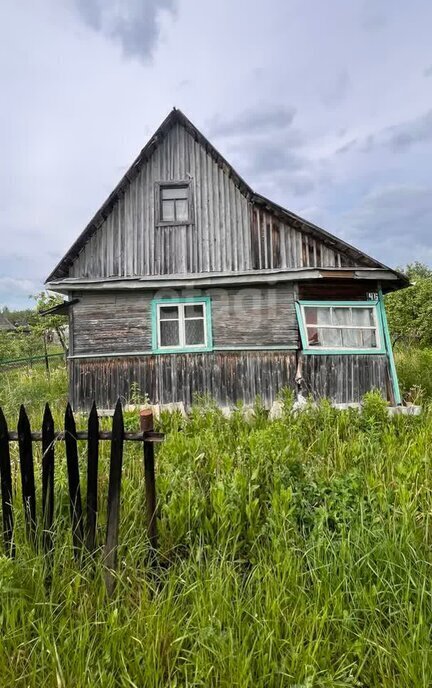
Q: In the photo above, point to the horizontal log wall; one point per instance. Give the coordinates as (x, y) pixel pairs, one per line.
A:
(227, 377)
(228, 232)
(118, 322)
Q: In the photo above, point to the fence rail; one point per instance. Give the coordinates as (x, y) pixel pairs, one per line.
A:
(29, 360)
(83, 525)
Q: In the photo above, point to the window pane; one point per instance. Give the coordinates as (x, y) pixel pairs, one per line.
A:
(363, 316)
(352, 339)
(194, 332)
(169, 333)
(181, 210)
(172, 192)
(323, 315)
(167, 210)
(194, 311)
(369, 339)
(342, 316)
(168, 312)
(310, 315)
(312, 336)
(329, 336)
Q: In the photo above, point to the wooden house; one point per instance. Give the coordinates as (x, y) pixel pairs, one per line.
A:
(186, 281)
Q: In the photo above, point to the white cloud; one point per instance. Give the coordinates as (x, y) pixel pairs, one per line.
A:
(281, 91)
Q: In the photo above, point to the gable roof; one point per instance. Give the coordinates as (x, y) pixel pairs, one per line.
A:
(5, 323)
(176, 116)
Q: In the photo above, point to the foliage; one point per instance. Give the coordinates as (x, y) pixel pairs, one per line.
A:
(20, 318)
(414, 368)
(294, 552)
(34, 332)
(50, 322)
(409, 311)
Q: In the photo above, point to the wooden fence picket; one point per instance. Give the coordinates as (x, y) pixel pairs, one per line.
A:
(74, 481)
(49, 437)
(146, 422)
(114, 488)
(27, 474)
(47, 478)
(6, 486)
(92, 477)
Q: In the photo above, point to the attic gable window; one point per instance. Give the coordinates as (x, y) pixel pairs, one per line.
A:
(180, 325)
(173, 203)
(340, 327)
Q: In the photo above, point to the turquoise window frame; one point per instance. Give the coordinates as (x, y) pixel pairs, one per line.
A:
(206, 300)
(337, 351)
(392, 365)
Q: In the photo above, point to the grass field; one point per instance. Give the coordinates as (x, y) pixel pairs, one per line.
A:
(295, 552)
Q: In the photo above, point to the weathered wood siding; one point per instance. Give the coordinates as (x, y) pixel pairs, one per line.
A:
(228, 232)
(128, 242)
(345, 378)
(228, 377)
(118, 322)
(337, 290)
(275, 244)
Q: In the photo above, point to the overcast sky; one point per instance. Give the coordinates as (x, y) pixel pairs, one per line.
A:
(324, 106)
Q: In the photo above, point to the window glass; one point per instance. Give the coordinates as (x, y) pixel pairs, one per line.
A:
(323, 316)
(174, 203)
(181, 210)
(310, 315)
(194, 332)
(169, 333)
(194, 311)
(173, 192)
(168, 312)
(340, 327)
(329, 336)
(168, 210)
(363, 316)
(341, 316)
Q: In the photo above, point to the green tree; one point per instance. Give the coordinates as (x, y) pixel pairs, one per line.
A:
(409, 310)
(44, 325)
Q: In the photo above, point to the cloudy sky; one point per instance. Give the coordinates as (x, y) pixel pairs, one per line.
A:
(326, 107)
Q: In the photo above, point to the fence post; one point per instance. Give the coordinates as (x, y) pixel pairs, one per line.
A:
(146, 423)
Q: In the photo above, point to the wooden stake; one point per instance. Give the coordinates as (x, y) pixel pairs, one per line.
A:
(147, 425)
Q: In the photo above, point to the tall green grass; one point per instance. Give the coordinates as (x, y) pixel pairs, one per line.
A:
(293, 552)
(414, 368)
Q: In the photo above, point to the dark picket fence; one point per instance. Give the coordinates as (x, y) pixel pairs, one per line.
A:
(83, 526)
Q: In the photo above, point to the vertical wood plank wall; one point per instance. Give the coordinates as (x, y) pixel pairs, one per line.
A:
(228, 377)
(228, 232)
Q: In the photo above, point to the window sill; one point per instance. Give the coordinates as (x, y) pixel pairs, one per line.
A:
(187, 223)
(186, 350)
(338, 352)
